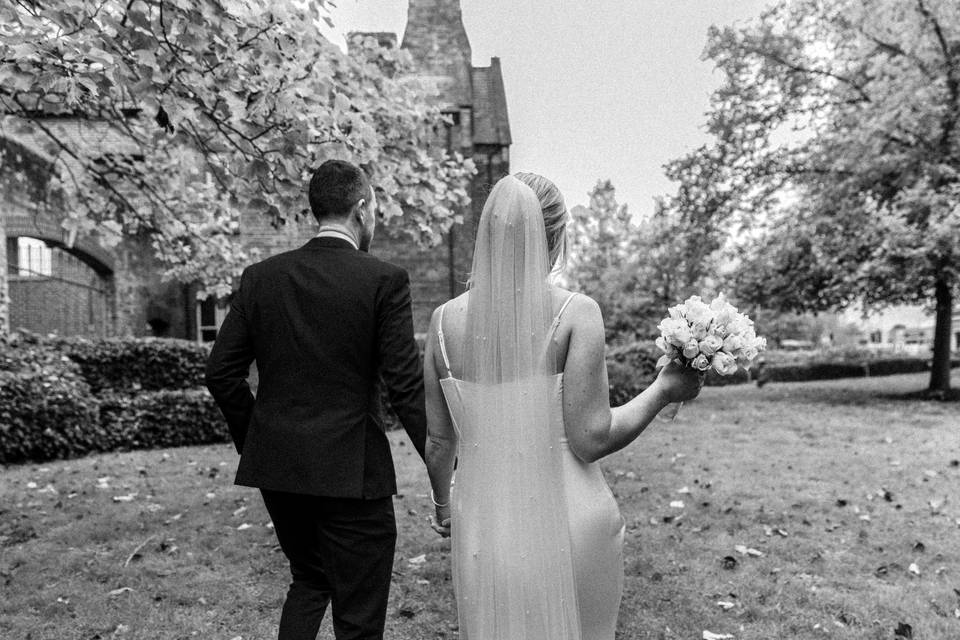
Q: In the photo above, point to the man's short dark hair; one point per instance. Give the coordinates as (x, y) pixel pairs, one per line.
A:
(335, 187)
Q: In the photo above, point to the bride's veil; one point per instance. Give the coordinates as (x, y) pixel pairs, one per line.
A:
(512, 557)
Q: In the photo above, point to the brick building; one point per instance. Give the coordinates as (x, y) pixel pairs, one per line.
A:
(88, 290)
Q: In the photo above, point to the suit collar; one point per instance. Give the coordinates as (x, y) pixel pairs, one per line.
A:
(330, 242)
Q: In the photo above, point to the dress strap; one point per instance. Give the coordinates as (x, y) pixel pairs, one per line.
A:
(556, 320)
(443, 344)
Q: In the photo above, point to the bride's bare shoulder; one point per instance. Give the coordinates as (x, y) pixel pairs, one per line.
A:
(582, 308)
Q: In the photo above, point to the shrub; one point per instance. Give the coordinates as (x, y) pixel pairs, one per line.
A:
(151, 364)
(154, 419)
(45, 417)
(832, 370)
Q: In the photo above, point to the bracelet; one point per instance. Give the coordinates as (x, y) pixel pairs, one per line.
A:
(433, 499)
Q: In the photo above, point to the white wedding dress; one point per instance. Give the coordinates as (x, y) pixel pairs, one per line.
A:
(536, 533)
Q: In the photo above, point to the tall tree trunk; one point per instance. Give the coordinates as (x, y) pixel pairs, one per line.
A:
(940, 371)
(4, 287)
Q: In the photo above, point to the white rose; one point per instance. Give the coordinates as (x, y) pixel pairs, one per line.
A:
(674, 331)
(732, 343)
(662, 344)
(724, 363)
(691, 350)
(710, 345)
(697, 312)
(748, 354)
(699, 330)
(701, 363)
(738, 325)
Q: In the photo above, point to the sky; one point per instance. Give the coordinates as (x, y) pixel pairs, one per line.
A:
(605, 89)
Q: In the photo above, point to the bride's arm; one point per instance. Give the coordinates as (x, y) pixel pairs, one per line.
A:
(441, 437)
(593, 428)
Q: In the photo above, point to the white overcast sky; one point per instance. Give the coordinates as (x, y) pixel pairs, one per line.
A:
(595, 90)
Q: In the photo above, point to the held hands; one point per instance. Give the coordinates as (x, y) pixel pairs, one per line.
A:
(440, 521)
(679, 384)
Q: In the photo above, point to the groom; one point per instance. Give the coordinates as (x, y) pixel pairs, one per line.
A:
(323, 323)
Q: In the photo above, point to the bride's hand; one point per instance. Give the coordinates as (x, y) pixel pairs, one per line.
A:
(440, 521)
(678, 383)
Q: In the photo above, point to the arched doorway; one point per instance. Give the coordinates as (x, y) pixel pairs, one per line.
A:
(58, 290)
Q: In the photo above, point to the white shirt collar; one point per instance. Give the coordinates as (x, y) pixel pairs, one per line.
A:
(333, 232)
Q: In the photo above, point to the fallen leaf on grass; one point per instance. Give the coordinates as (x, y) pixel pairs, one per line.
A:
(244, 526)
(748, 551)
(914, 569)
(709, 635)
(725, 605)
(117, 592)
(684, 490)
(903, 632)
(676, 504)
(127, 498)
(418, 559)
(239, 511)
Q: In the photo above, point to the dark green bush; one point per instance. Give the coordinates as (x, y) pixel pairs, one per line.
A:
(833, 370)
(151, 364)
(154, 419)
(62, 398)
(44, 417)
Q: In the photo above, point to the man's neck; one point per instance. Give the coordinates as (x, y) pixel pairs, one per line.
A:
(339, 230)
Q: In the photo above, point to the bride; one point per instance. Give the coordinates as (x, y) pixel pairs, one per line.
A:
(518, 404)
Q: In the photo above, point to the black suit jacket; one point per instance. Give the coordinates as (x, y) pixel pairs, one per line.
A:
(324, 323)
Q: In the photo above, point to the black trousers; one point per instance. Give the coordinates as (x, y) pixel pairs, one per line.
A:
(341, 553)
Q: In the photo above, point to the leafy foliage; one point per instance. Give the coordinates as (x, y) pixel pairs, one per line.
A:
(835, 157)
(146, 420)
(131, 365)
(222, 108)
(64, 398)
(44, 416)
(633, 269)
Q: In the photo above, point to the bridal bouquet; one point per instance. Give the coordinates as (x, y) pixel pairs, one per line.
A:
(705, 336)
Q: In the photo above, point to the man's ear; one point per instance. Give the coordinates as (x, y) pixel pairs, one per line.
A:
(357, 211)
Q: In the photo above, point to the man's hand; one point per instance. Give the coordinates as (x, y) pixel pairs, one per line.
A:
(440, 521)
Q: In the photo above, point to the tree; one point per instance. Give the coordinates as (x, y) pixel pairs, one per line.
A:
(633, 269)
(222, 108)
(835, 157)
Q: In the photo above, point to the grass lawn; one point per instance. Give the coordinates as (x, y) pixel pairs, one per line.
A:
(846, 496)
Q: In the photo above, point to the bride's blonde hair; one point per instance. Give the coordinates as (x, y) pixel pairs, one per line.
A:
(555, 215)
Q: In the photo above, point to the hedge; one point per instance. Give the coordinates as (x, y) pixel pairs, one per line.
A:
(152, 364)
(44, 417)
(834, 370)
(153, 419)
(68, 397)
(62, 398)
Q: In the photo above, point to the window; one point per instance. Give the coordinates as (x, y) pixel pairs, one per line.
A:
(34, 258)
(210, 315)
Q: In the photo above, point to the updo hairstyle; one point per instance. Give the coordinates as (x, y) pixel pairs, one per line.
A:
(555, 216)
